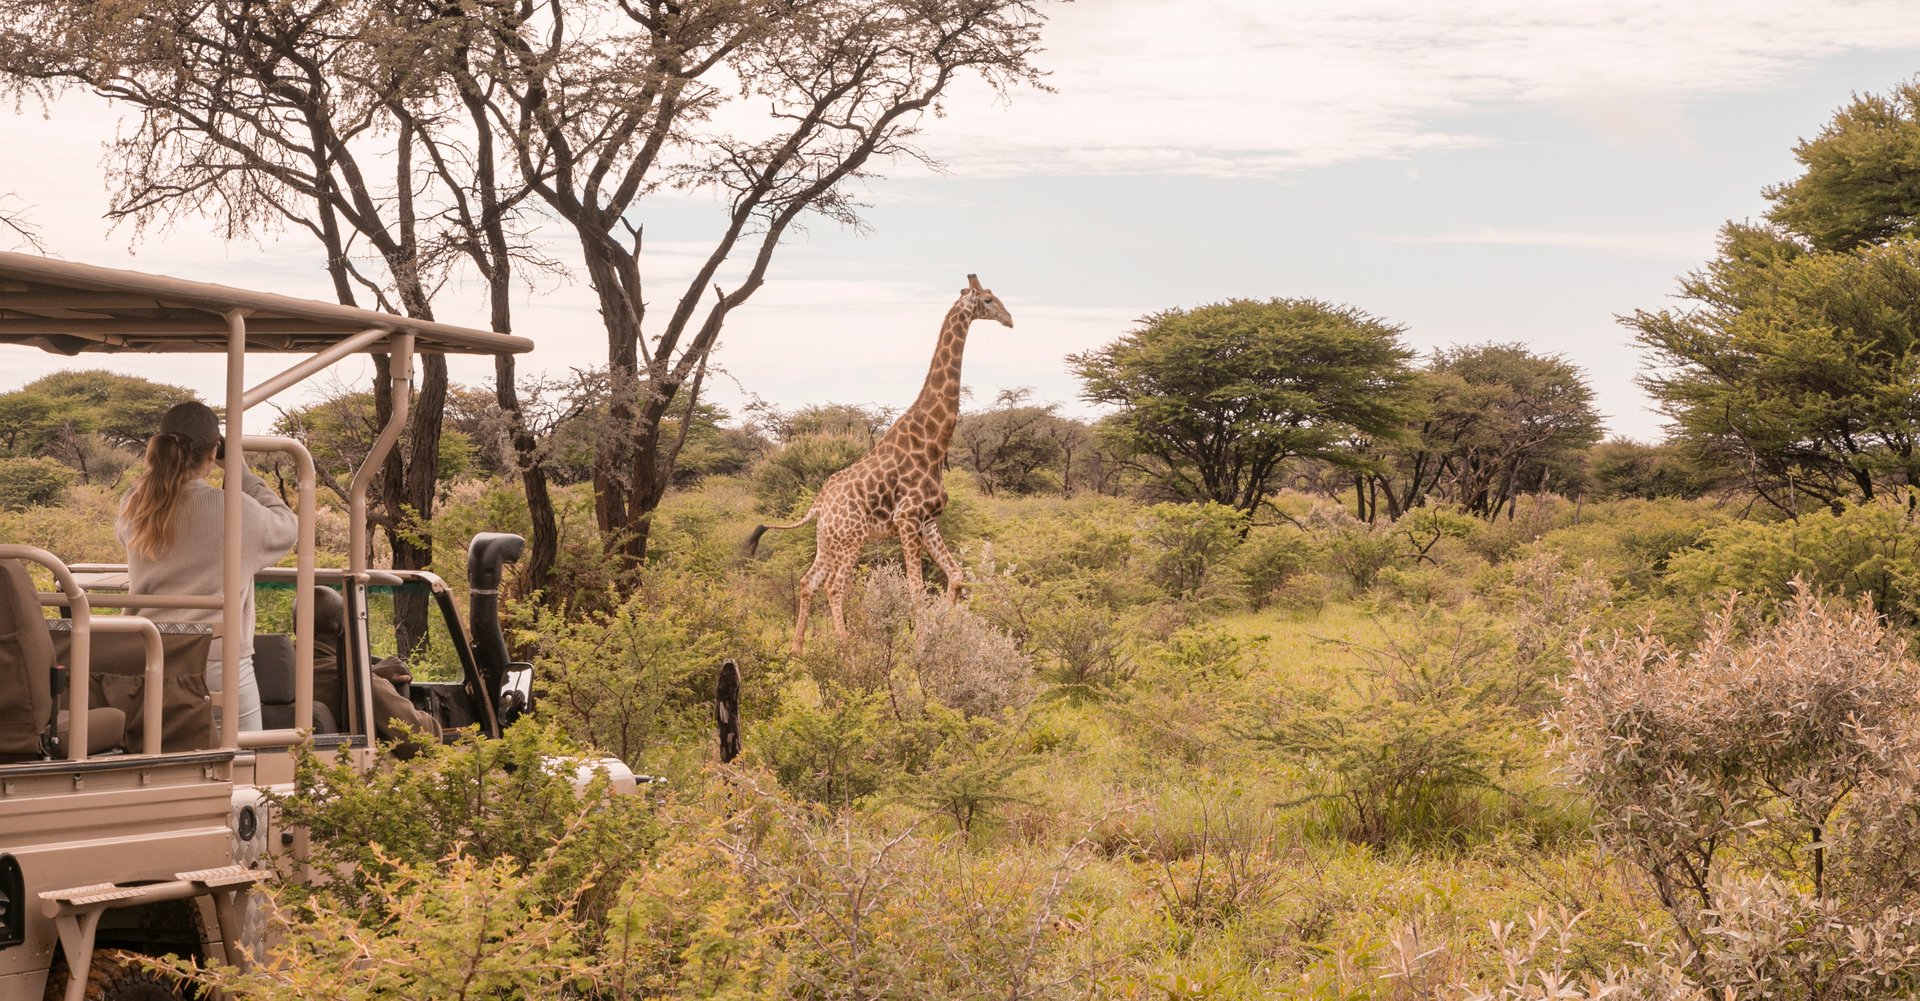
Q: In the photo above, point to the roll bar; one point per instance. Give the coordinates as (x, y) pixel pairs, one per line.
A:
(80, 654)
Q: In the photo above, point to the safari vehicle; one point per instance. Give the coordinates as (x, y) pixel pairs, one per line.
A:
(129, 823)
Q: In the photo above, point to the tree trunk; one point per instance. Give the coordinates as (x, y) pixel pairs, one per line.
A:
(409, 479)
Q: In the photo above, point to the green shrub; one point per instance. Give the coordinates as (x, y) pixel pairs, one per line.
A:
(1181, 543)
(974, 767)
(752, 895)
(827, 744)
(1429, 723)
(635, 680)
(490, 799)
(1183, 690)
(1212, 854)
(1547, 608)
(1867, 549)
(1085, 644)
(1531, 517)
(461, 926)
(1419, 586)
(785, 478)
(33, 482)
(1423, 531)
(80, 529)
(1356, 553)
(1630, 542)
(1270, 558)
(762, 897)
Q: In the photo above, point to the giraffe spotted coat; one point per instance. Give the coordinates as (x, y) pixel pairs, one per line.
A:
(895, 491)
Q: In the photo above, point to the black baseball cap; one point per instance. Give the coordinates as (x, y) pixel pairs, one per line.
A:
(194, 424)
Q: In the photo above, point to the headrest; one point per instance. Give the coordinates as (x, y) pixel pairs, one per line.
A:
(329, 614)
(20, 615)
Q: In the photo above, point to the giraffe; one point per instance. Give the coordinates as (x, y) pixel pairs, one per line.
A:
(894, 490)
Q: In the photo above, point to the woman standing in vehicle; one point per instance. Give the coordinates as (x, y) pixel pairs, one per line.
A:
(173, 523)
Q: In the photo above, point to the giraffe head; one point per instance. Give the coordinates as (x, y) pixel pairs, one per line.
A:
(986, 305)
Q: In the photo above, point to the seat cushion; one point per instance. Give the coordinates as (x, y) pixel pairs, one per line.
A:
(106, 731)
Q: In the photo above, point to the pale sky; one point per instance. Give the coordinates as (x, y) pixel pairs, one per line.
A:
(1514, 170)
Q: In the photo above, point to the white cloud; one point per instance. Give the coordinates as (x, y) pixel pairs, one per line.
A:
(1679, 244)
(1259, 87)
(1176, 88)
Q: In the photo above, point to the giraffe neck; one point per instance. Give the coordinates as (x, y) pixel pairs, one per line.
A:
(926, 428)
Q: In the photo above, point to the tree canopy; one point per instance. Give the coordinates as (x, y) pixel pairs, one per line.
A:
(1862, 180)
(1495, 421)
(418, 142)
(1214, 399)
(1018, 445)
(83, 417)
(1798, 368)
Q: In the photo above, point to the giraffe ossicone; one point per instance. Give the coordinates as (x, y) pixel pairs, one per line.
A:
(895, 491)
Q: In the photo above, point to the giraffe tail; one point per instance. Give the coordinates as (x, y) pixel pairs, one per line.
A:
(753, 541)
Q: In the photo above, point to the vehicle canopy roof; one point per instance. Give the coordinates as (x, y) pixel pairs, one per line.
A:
(67, 308)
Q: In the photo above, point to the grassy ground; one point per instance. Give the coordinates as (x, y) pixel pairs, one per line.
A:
(1206, 851)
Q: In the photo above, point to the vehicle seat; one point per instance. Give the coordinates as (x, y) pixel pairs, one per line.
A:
(118, 678)
(274, 671)
(329, 638)
(30, 728)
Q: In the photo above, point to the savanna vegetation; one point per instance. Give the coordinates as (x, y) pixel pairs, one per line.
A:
(1314, 669)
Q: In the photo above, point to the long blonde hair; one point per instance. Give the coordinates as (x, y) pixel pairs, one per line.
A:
(154, 500)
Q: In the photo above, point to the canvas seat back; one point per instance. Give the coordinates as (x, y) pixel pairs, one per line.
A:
(26, 668)
(117, 678)
(32, 725)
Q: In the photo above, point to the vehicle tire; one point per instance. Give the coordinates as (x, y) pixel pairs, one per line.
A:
(117, 975)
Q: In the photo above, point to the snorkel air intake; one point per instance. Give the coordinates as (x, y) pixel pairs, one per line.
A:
(486, 554)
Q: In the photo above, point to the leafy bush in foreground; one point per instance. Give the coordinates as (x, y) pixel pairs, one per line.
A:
(1767, 782)
(1438, 717)
(516, 801)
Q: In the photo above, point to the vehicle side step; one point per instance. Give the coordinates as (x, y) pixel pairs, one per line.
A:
(76, 911)
(226, 875)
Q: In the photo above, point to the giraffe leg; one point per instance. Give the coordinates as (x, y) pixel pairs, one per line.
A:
(949, 563)
(910, 551)
(837, 580)
(809, 583)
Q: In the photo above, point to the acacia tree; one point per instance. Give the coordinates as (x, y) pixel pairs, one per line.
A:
(1795, 358)
(1216, 398)
(1497, 420)
(1010, 444)
(770, 109)
(1796, 367)
(334, 118)
(1862, 179)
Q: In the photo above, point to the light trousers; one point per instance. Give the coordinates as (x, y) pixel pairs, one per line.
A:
(249, 691)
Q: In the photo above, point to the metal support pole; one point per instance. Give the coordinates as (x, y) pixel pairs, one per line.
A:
(79, 652)
(305, 479)
(301, 369)
(235, 581)
(154, 673)
(399, 381)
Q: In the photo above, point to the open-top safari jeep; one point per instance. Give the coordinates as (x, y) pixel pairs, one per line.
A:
(129, 823)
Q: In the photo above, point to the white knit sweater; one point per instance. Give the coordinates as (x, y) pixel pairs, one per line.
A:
(193, 565)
